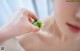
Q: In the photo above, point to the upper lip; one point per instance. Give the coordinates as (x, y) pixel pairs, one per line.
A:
(74, 26)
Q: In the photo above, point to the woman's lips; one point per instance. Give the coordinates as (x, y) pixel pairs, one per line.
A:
(74, 27)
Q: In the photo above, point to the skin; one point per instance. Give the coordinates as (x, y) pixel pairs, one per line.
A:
(67, 12)
(18, 25)
(61, 38)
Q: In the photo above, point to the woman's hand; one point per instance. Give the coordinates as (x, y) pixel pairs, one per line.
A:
(19, 24)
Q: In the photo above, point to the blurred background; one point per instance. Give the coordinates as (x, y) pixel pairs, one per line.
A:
(42, 8)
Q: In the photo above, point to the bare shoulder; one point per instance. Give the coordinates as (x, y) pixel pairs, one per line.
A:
(28, 37)
(48, 23)
(34, 36)
(29, 41)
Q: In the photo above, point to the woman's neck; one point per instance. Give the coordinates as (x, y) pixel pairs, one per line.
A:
(57, 32)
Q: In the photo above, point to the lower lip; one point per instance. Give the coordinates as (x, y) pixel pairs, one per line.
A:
(74, 29)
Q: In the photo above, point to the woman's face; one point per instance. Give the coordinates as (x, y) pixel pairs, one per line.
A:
(67, 16)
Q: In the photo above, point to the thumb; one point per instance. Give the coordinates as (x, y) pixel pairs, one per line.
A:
(34, 28)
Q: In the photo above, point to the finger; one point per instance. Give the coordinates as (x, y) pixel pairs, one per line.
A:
(30, 19)
(33, 28)
(29, 14)
(32, 15)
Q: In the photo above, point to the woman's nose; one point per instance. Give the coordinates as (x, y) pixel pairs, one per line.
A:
(78, 14)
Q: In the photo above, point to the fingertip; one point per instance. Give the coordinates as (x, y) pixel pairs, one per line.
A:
(36, 29)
